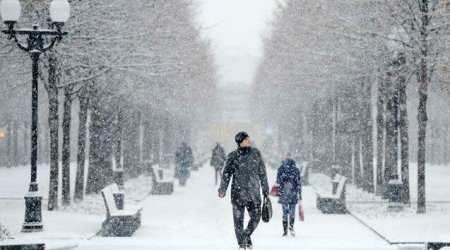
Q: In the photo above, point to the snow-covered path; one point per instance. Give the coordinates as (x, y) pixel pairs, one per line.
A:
(194, 218)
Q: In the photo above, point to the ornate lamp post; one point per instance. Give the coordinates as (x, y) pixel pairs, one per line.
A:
(35, 45)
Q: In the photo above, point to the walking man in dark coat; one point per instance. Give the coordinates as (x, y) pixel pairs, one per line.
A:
(218, 159)
(184, 159)
(246, 166)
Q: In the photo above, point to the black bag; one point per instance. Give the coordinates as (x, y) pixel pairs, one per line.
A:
(266, 214)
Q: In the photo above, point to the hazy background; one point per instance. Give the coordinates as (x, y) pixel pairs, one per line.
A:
(236, 29)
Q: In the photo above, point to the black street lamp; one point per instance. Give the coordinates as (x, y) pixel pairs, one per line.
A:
(59, 13)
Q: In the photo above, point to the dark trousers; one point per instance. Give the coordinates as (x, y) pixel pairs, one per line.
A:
(183, 175)
(288, 210)
(254, 211)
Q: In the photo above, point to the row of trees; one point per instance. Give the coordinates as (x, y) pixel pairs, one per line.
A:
(328, 65)
(127, 83)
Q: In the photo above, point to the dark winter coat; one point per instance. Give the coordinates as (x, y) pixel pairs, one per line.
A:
(247, 168)
(184, 158)
(288, 176)
(218, 157)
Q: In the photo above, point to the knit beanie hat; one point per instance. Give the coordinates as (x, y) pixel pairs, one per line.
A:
(240, 137)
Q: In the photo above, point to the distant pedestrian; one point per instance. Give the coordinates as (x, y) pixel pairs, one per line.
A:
(288, 177)
(218, 159)
(184, 160)
(246, 166)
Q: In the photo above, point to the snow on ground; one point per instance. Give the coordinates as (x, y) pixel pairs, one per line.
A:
(406, 225)
(193, 217)
(65, 226)
(58, 225)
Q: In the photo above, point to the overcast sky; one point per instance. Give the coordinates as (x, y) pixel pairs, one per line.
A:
(235, 28)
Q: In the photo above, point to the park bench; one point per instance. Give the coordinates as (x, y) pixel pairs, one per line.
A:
(161, 183)
(333, 203)
(119, 222)
(21, 246)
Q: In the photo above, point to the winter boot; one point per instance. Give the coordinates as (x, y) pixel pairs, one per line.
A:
(291, 225)
(285, 228)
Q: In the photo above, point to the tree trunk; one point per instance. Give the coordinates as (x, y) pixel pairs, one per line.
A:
(445, 141)
(53, 123)
(358, 174)
(94, 171)
(404, 139)
(3, 152)
(9, 139)
(367, 145)
(391, 158)
(446, 145)
(345, 128)
(422, 118)
(15, 147)
(140, 144)
(145, 137)
(334, 121)
(67, 118)
(157, 144)
(351, 178)
(297, 132)
(155, 140)
(119, 140)
(380, 133)
(422, 109)
(307, 138)
(168, 143)
(81, 154)
(131, 144)
(100, 172)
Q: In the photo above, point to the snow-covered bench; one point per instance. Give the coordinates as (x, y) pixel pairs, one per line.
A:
(333, 203)
(161, 183)
(21, 246)
(119, 222)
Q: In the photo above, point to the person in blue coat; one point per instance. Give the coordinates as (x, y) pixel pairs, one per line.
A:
(288, 177)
